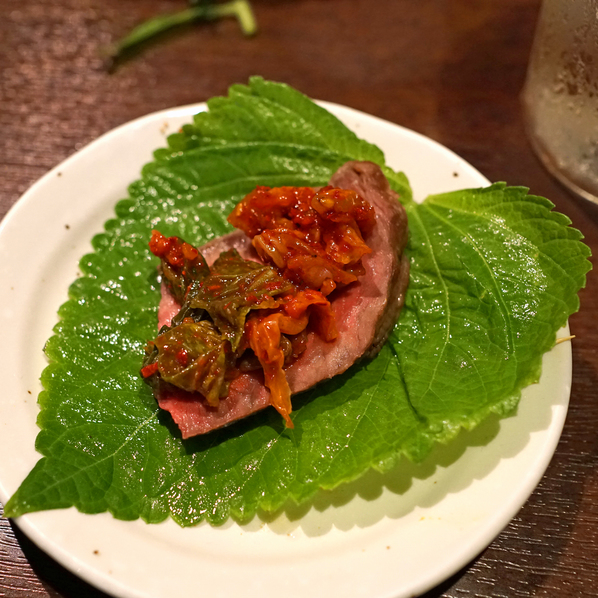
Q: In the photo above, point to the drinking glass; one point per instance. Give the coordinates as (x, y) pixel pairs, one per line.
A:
(560, 97)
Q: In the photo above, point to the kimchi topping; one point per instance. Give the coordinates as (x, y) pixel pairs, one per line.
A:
(240, 314)
(314, 237)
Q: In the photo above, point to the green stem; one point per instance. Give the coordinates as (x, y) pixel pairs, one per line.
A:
(241, 9)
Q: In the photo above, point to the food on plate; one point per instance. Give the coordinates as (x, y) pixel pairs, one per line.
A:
(313, 282)
(494, 273)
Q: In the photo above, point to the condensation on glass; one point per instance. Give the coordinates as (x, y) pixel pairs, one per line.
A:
(561, 93)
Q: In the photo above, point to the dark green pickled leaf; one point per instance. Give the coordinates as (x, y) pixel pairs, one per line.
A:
(235, 287)
(193, 356)
(179, 277)
(494, 274)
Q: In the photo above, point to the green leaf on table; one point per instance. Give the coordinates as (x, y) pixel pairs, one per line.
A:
(201, 10)
(494, 274)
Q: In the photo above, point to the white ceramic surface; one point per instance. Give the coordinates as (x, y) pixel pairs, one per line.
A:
(393, 535)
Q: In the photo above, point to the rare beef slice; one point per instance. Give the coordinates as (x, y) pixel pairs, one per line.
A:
(365, 311)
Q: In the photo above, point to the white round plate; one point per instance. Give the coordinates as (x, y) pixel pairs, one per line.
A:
(384, 536)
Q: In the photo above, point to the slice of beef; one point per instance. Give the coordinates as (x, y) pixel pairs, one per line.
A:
(365, 311)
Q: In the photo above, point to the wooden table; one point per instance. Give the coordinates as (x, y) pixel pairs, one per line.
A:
(452, 70)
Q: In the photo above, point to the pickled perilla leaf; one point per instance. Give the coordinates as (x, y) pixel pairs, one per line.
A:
(494, 274)
(178, 277)
(203, 341)
(235, 287)
(205, 359)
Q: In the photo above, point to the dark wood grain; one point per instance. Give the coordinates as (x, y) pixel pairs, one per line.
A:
(452, 70)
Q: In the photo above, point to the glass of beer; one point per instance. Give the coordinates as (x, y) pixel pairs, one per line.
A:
(560, 97)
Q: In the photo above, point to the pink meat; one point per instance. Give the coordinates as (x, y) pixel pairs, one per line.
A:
(365, 311)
